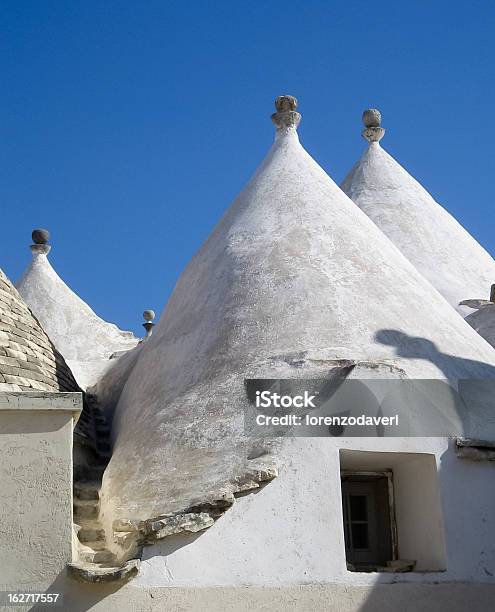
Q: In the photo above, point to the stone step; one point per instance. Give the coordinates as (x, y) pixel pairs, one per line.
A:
(90, 572)
(86, 508)
(90, 533)
(96, 544)
(96, 556)
(87, 490)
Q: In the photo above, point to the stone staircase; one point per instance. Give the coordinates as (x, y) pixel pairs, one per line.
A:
(113, 555)
(96, 562)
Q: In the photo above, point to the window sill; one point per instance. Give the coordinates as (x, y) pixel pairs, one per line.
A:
(393, 567)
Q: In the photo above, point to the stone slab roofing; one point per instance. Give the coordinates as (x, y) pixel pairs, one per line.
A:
(28, 359)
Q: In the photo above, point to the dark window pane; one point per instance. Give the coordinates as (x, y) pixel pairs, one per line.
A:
(359, 507)
(360, 536)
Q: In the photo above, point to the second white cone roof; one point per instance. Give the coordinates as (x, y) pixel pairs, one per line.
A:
(433, 241)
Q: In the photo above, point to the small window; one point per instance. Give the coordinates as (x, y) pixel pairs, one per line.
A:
(391, 512)
(367, 508)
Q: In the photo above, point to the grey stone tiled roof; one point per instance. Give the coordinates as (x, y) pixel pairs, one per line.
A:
(28, 359)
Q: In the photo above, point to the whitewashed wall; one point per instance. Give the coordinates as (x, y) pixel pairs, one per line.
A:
(291, 532)
(36, 486)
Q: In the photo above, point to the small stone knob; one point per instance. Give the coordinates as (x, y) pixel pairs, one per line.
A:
(372, 119)
(148, 316)
(40, 239)
(285, 103)
(286, 115)
(40, 236)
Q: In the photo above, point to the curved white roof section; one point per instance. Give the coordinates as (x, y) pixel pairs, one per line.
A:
(111, 382)
(433, 241)
(84, 339)
(293, 279)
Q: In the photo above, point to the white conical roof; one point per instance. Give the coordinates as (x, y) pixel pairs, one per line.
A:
(84, 339)
(293, 278)
(435, 243)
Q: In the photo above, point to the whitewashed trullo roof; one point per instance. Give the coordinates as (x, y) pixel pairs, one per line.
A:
(429, 236)
(293, 278)
(84, 339)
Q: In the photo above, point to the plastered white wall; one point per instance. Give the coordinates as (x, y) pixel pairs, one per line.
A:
(290, 532)
(301, 598)
(36, 486)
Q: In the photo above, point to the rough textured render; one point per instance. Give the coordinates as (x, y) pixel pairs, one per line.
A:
(36, 477)
(83, 338)
(438, 246)
(112, 381)
(28, 359)
(294, 279)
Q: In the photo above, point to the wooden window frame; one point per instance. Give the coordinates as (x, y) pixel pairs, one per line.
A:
(388, 474)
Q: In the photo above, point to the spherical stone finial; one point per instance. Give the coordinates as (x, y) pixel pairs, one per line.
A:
(285, 103)
(372, 118)
(149, 315)
(286, 115)
(40, 239)
(40, 236)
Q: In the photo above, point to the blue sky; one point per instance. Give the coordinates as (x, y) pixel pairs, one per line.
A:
(128, 127)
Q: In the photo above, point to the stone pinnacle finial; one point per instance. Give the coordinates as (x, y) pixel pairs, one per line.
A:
(148, 316)
(286, 116)
(40, 239)
(372, 119)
